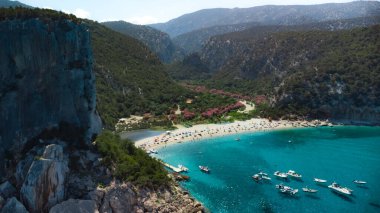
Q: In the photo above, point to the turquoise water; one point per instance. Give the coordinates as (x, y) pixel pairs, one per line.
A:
(339, 154)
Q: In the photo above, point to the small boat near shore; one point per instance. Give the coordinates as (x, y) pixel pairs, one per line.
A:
(309, 190)
(280, 174)
(317, 180)
(339, 189)
(204, 169)
(286, 189)
(294, 174)
(360, 182)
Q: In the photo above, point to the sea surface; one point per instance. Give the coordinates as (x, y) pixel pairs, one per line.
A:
(340, 154)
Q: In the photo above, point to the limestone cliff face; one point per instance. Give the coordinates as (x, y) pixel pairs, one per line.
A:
(47, 86)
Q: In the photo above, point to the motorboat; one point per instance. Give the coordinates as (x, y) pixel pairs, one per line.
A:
(265, 177)
(263, 173)
(152, 151)
(183, 168)
(237, 139)
(286, 189)
(280, 174)
(204, 169)
(256, 177)
(309, 190)
(359, 182)
(294, 174)
(319, 180)
(341, 190)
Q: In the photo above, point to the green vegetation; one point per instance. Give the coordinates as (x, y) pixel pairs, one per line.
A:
(204, 101)
(315, 74)
(129, 163)
(129, 78)
(27, 13)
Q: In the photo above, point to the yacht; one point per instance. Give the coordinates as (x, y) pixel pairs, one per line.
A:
(294, 174)
(319, 180)
(286, 189)
(359, 182)
(280, 174)
(306, 189)
(341, 190)
(256, 177)
(204, 169)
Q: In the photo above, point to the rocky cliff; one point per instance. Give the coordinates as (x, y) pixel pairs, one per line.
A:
(47, 87)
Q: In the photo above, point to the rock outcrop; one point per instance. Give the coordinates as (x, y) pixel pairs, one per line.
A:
(14, 206)
(44, 184)
(7, 190)
(125, 197)
(47, 86)
(75, 206)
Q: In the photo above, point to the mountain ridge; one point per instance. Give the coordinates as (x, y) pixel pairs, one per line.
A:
(269, 14)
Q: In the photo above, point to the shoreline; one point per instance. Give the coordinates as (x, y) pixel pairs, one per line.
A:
(205, 131)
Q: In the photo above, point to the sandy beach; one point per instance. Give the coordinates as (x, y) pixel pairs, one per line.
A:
(203, 131)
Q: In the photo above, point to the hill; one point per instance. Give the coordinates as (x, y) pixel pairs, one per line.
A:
(311, 73)
(130, 79)
(157, 41)
(7, 3)
(270, 14)
(193, 41)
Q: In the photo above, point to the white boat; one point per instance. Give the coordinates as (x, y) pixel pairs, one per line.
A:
(319, 180)
(204, 169)
(359, 182)
(152, 151)
(263, 173)
(286, 189)
(341, 190)
(256, 177)
(182, 168)
(293, 174)
(280, 174)
(265, 177)
(306, 189)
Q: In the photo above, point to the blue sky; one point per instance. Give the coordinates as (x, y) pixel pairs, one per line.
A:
(150, 11)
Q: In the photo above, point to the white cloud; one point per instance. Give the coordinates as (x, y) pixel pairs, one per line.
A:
(80, 13)
(142, 20)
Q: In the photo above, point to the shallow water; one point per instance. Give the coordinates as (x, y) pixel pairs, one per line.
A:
(339, 154)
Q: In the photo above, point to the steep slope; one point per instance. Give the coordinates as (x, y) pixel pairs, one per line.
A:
(47, 88)
(194, 41)
(315, 73)
(219, 50)
(129, 78)
(157, 41)
(276, 15)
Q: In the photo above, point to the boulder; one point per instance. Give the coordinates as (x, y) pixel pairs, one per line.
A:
(75, 206)
(44, 184)
(119, 199)
(14, 206)
(7, 190)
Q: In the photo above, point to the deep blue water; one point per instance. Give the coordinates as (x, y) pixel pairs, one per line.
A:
(339, 154)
